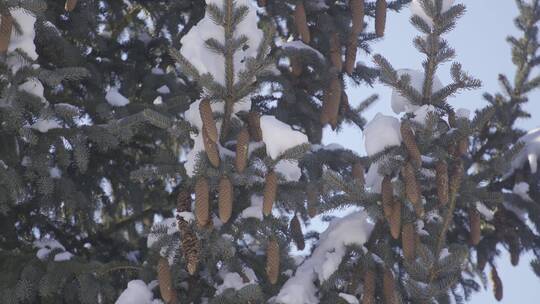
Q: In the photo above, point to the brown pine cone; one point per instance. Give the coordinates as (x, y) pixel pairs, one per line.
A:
(369, 287)
(300, 20)
(350, 54)
(395, 221)
(270, 192)
(514, 249)
(211, 149)
(189, 243)
(358, 174)
(380, 17)
(296, 66)
(207, 117)
(357, 13)
(410, 144)
(456, 177)
(408, 241)
(463, 146)
(70, 5)
(387, 193)
(389, 287)
(261, 3)
(295, 228)
(441, 177)
(497, 284)
(331, 101)
(254, 122)
(202, 204)
(335, 51)
(312, 194)
(475, 231)
(6, 26)
(481, 260)
(272, 261)
(225, 200)
(452, 121)
(412, 188)
(168, 294)
(242, 148)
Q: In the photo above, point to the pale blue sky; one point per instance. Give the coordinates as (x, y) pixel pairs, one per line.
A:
(479, 40)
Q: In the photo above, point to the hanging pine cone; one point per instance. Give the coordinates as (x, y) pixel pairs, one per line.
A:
(211, 149)
(389, 287)
(513, 244)
(300, 20)
(225, 201)
(358, 174)
(410, 144)
(254, 122)
(387, 193)
(270, 192)
(261, 3)
(296, 66)
(474, 227)
(350, 54)
(335, 51)
(70, 5)
(331, 101)
(380, 17)
(189, 242)
(6, 26)
(312, 194)
(412, 188)
(441, 177)
(207, 117)
(168, 294)
(357, 14)
(202, 204)
(395, 221)
(408, 241)
(242, 146)
(272, 261)
(463, 146)
(452, 118)
(295, 229)
(369, 287)
(497, 284)
(481, 260)
(455, 179)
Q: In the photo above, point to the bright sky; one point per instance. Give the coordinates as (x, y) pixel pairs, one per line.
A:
(480, 43)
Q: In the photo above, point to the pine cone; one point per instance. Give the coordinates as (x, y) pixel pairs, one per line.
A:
(515, 251)
(225, 200)
(296, 233)
(497, 284)
(261, 3)
(395, 221)
(211, 149)
(452, 119)
(272, 261)
(408, 241)
(357, 12)
(358, 174)
(389, 287)
(202, 204)
(70, 5)
(335, 51)
(207, 117)
(387, 193)
(6, 26)
(270, 192)
(350, 54)
(312, 194)
(242, 148)
(474, 227)
(441, 177)
(463, 146)
(412, 188)
(455, 179)
(332, 98)
(300, 20)
(183, 201)
(380, 17)
(481, 260)
(254, 122)
(189, 242)
(410, 144)
(168, 294)
(296, 66)
(369, 287)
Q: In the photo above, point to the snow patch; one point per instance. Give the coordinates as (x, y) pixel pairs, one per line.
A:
(115, 99)
(530, 151)
(289, 169)
(349, 298)
(137, 292)
(255, 210)
(279, 136)
(46, 245)
(399, 102)
(381, 132)
(485, 211)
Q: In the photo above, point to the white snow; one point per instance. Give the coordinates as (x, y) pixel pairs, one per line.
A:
(44, 125)
(55, 172)
(279, 136)
(416, 9)
(354, 228)
(485, 211)
(522, 189)
(289, 169)
(234, 280)
(381, 132)
(46, 245)
(34, 87)
(115, 99)
(64, 256)
(299, 45)
(421, 114)
(164, 89)
(530, 151)
(349, 298)
(206, 60)
(24, 40)
(255, 210)
(158, 100)
(186, 216)
(137, 292)
(373, 178)
(399, 102)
